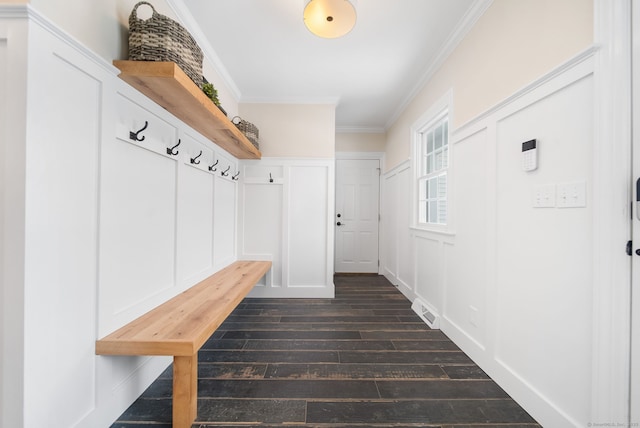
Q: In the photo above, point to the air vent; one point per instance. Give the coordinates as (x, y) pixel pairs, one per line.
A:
(428, 315)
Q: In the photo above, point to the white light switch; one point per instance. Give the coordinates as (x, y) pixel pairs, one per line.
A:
(544, 196)
(572, 195)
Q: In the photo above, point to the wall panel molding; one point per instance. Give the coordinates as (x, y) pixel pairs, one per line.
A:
(302, 193)
(477, 285)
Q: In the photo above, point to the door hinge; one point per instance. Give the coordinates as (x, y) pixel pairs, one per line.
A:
(629, 247)
(378, 263)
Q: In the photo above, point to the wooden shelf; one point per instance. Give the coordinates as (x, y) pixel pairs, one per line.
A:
(166, 84)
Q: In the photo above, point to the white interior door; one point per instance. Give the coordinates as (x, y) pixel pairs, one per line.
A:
(357, 215)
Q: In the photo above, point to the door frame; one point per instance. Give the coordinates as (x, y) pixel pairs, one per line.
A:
(634, 376)
(610, 389)
(364, 156)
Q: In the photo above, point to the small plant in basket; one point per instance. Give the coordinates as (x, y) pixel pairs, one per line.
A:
(212, 93)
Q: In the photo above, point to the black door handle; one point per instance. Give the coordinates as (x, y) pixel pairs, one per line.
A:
(338, 224)
(638, 199)
(339, 215)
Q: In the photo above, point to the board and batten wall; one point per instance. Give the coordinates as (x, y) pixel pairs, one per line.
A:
(511, 284)
(511, 45)
(98, 229)
(289, 220)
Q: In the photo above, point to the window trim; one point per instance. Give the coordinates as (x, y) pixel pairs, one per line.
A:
(437, 112)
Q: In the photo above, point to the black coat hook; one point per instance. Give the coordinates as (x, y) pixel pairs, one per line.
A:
(270, 178)
(213, 168)
(194, 160)
(226, 171)
(170, 150)
(134, 135)
(235, 176)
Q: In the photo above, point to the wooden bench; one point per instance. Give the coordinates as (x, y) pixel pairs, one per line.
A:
(180, 326)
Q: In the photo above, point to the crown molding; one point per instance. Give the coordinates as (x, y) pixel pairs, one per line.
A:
(187, 19)
(360, 130)
(477, 9)
(14, 11)
(333, 101)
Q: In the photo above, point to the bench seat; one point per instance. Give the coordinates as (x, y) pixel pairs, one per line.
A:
(180, 326)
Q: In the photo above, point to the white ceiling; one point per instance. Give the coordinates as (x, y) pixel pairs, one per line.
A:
(266, 54)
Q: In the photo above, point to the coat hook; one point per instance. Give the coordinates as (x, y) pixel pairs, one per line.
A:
(226, 171)
(235, 176)
(170, 150)
(134, 135)
(270, 178)
(213, 168)
(194, 160)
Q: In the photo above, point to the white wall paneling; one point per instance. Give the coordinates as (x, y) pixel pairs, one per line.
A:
(101, 227)
(262, 208)
(309, 227)
(13, 44)
(61, 232)
(536, 282)
(388, 235)
(195, 211)
(289, 221)
(429, 275)
(405, 267)
(397, 250)
(466, 289)
(224, 222)
(138, 206)
(512, 283)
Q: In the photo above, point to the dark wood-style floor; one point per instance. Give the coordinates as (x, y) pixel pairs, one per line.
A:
(362, 359)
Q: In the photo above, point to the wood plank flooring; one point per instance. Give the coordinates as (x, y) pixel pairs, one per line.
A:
(363, 359)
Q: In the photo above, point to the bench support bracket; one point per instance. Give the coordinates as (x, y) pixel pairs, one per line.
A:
(185, 390)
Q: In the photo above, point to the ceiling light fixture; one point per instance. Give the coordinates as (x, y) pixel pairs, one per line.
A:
(329, 18)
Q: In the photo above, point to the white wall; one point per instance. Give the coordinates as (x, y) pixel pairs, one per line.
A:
(512, 284)
(396, 255)
(288, 221)
(293, 130)
(12, 216)
(103, 27)
(513, 43)
(97, 229)
(360, 142)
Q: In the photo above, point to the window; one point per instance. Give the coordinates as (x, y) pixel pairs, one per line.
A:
(432, 164)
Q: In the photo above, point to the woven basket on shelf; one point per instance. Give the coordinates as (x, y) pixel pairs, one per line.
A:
(160, 38)
(248, 129)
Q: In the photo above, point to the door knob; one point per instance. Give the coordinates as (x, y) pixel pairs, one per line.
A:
(339, 215)
(338, 224)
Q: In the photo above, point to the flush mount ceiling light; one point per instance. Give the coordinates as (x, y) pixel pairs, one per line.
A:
(329, 18)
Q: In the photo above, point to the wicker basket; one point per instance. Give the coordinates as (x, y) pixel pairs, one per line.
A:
(248, 129)
(160, 38)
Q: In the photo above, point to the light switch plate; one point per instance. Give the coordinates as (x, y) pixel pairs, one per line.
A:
(544, 196)
(572, 195)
